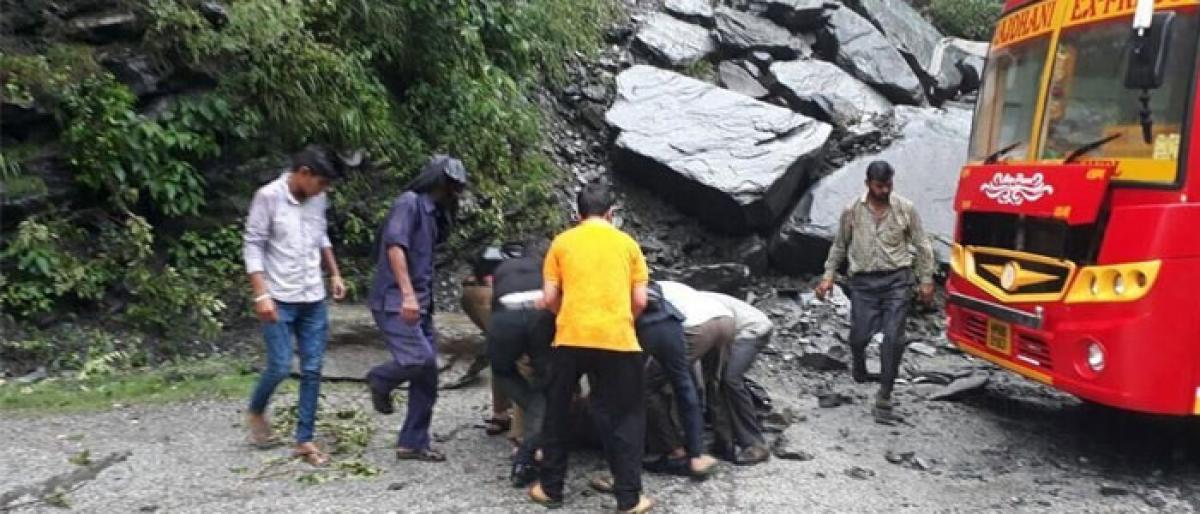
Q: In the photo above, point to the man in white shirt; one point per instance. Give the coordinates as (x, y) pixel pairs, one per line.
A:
(753, 331)
(284, 244)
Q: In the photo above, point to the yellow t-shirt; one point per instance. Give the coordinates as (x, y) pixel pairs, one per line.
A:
(596, 267)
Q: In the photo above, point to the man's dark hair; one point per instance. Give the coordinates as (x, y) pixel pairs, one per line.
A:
(594, 200)
(319, 160)
(880, 171)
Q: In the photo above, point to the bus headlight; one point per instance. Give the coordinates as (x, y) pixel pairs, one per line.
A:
(1113, 283)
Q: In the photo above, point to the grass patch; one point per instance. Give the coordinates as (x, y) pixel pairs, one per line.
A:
(205, 379)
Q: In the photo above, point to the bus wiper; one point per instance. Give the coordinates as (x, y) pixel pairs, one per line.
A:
(995, 156)
(1079, 152)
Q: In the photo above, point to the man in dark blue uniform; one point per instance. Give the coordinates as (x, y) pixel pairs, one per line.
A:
(401, 299)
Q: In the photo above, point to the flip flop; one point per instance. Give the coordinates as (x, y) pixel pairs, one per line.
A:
(315, 458)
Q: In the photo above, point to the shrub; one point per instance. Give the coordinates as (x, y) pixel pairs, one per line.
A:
(970, 19)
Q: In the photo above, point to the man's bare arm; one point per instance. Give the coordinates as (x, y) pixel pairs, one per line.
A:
(640, 299)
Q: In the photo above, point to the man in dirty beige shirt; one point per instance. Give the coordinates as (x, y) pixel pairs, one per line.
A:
(877, 233)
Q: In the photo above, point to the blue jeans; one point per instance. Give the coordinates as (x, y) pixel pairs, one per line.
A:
(664, 340)
(309, 324)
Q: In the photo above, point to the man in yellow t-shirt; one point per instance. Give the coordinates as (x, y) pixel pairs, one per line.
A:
(595, 279)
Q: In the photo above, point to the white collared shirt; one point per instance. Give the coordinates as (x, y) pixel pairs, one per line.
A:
(697, 309)
(283, 239)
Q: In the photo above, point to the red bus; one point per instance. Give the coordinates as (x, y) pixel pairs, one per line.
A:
(1074, 261)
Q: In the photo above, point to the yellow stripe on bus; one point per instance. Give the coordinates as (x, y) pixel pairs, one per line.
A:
(1009, 365)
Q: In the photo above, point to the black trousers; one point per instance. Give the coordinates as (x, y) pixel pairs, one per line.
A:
(879, 303)
(617, 382)
(511, 334)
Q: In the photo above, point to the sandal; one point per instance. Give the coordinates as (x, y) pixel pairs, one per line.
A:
(262, 437)
(426, 455)
(313, 456)
(602, 483)
(496, 426)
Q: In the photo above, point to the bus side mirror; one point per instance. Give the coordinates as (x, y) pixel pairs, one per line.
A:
(1147, 53)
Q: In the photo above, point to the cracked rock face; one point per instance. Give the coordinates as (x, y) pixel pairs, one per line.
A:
(729, 160)
(742, 77)
(860, 49)
(910, 32)
(739, 32)
(825, 91)
(695, 11)
(673, 42)
(928, 157)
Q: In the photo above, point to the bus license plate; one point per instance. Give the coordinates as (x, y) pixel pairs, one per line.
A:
(999, 336)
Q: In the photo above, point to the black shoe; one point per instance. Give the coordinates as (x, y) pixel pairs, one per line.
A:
(884, 411)
(752, 455)
(382, 401)
(863, 377)
(523, 474)
(666, 465)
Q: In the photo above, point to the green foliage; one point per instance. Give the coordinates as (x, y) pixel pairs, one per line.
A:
(118, 151)
(399, 78)
(208, 378)
(57, 265)
(42, 267)
(970, 19)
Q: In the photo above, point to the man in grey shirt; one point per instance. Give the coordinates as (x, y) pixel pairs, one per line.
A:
(285, 243)
(876, 232)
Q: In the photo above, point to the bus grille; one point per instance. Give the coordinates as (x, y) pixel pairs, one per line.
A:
(1033, 347)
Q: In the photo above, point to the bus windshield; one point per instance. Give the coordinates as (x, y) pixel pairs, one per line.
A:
(1087, 100)
(1008, 98)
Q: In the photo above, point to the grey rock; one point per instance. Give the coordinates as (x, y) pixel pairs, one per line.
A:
(824, 354)
(830, 400)
(948, 58)
(761, 59)
(962, 387)
(731, 161)
(1154, 499)
(106, 27)
(823, 90)
(694, 11)
(860, 473)
(136, 70)
(922, 348)
(859, 48)
(753, 253)
(731, 278)
(928, 157)
(1110, 490)
(788, 445)
(797, 15)
(742, 77)
(739, 32)
(215, 12)
(909, 32)
(672, 42)
(33, 377)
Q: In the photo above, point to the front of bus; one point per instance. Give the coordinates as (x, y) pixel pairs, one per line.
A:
(1076, 252)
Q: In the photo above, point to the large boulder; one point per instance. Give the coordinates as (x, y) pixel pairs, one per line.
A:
(743, 77)
(859, 48)
(950, 61)
(733, 162)
(797, 15)
(909, 32)
(824, 91)
(673, 42)
(740, 33)
(928, 156)
(695, 11)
